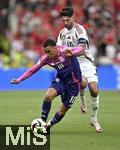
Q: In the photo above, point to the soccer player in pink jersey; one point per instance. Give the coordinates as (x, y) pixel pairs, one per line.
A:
(67, 81)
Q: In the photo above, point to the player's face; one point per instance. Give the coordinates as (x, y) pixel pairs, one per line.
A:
(68, 22)
(51, 52)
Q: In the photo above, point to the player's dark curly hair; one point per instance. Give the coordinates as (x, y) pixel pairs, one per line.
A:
(67, 11)
(49, 42)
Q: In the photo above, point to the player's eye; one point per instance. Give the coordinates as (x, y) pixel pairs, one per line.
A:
(65, 20)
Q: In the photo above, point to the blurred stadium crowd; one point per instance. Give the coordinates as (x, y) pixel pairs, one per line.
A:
(25, 24)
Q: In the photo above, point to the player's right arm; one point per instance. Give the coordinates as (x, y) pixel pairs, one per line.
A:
(59, 39)
(75, 51)
(30, 71)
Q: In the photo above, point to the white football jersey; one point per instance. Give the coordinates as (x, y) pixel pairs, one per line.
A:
(75, 37)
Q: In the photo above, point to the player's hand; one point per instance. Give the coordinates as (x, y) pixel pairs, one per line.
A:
(14, 81)
(68, 52)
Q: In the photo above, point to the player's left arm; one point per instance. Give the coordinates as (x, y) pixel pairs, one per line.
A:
(29, 72)
(83, 39)
(83, 42)
(59, 39)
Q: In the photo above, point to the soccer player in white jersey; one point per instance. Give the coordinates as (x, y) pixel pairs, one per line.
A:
(72, 35)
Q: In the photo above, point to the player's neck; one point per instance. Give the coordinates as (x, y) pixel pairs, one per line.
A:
(71, 26)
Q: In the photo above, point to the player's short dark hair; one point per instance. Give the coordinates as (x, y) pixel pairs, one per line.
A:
(49, 42)
(67, 11)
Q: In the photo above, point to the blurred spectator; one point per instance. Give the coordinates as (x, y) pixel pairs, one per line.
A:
(32, 21)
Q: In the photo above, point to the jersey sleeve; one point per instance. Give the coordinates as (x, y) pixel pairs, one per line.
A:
(77, 51)
(82, 36)
(59, 39)
(42, 61)
(33, 69)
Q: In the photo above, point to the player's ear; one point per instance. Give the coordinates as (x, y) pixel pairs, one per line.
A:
(72, 17)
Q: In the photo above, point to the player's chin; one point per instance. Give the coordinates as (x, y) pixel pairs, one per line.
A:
(52, 57)
(68, 27)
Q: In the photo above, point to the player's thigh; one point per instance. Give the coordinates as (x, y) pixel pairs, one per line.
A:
(70, 95)
(50, 94)
(58, 85)
(88, 69)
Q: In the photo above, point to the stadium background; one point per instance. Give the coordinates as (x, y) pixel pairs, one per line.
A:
(24, 25)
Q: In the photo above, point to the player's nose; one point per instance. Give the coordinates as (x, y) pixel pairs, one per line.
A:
(65, 22)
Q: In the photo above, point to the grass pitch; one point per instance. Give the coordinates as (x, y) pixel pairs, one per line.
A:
(74, 131)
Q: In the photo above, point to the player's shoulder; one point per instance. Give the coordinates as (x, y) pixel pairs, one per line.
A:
(42, 59)
(80, 29)
(44, 56)
(62, 33)
(62, 48)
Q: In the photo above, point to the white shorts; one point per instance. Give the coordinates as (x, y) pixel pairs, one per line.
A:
(88, 70)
